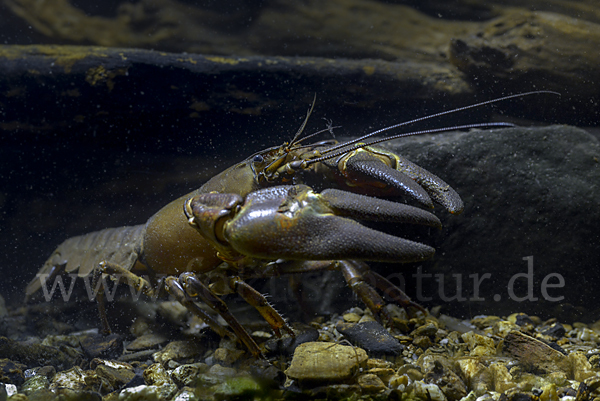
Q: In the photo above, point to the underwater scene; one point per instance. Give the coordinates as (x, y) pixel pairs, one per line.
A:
(300, 200)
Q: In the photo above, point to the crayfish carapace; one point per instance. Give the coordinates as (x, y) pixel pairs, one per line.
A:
(259, 218)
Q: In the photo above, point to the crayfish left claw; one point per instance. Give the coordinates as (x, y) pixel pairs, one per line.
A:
(294, 222)
(388, 174)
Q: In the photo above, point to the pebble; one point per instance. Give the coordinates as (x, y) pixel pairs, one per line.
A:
(117, 374)
(34, 384)
(479, 345)
(187, 375)
(226, 356)
(146, 341)
(555, 331)
(426, 330)
(95, 346)
(177, 350)
(156, 375)
(428, 391)
(371, 383)
(73, 379)
(372, 337)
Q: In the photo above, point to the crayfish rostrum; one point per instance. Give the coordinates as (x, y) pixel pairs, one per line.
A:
(285, 210)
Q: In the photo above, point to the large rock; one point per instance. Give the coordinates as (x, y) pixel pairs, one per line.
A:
(529, 193)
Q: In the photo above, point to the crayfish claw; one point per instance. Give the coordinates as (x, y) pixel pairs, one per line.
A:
(437, 188)
(349, 204)
(314, 226)
(377, 172)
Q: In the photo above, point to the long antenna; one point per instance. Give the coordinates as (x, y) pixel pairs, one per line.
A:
(443, 113)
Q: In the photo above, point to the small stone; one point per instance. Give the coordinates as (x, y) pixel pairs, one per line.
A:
(476, 374)
(10, 390)
(401, 324)
(483, 322)
(411, 371)
(185, 394)
(399, 382)
(383, 373)
(549, 393)
(216, 374)
(173, 311)
(588, 335)
(503, 327)
(373, 363)
(439, 371)
(502, 379)
(34, 384)
(372, 337)
(73, 379)
(422, 342)
(479, 345)
(222, 371)
(156, 375)
(351, 317)
(146, 341)
(227, 356)
(593, 383)
(317, 361)
(555, 331)
(177, 350)
(366, 318)
(145, 393)
(558, 378)
(580, 366)
(428, 391)
(520, 319)
(371, 383)
(470, 397)
(427, 330)
(117, 374)
(187, 375)
(96, 346)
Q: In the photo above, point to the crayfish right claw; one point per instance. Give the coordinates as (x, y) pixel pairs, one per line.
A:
(294, 222)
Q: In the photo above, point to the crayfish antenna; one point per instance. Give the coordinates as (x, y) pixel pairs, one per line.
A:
(435, 130)
(301, 129)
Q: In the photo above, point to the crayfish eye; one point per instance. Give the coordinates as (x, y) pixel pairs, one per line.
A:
(296, 165)
(258, 159)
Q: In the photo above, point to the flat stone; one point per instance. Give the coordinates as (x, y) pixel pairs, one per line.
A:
(146, 341)
(319, 361)
(372, 337)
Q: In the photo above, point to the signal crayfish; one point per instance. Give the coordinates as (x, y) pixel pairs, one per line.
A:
(264, 217)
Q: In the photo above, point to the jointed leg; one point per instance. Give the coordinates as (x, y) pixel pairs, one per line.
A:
(196, 288)
(256, 299)
(359, 277)
(353, 274)
(395, 293)
(174, 288)
(116, 272)
(133, 280)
